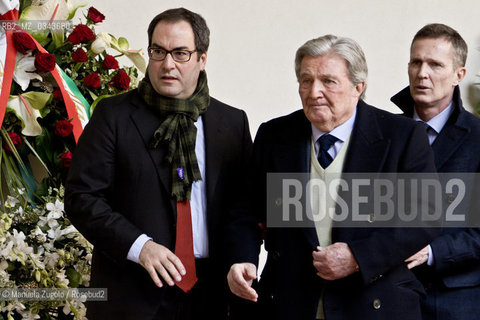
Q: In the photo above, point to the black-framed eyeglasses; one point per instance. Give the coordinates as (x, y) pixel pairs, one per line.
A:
(178, 55)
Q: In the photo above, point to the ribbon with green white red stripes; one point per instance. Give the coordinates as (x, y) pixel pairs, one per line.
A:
(76, 105)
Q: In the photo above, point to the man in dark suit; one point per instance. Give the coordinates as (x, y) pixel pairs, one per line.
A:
(450, 265)
(150, 181)
(354, 273)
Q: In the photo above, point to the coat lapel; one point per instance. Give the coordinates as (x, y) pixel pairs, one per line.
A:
(213, 127)
(449, 140)
(368, 148)
(292, 154)
(146, 122)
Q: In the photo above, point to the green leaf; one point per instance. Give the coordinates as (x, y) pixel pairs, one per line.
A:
(38, 100)
(97, 100)
(58, 38)
(11, 266)
(74, 277)
(37, 156)
(41, 37)
(137, 58)
(93, 95)
(74, 5)
(44, 11)
(44, 146)
(27, 110)
(123, 43)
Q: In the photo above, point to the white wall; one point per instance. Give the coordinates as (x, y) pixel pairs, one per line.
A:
(253, 42)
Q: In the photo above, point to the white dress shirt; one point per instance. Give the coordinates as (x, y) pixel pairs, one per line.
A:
(198, 205)
(342, 132)
(436, 123)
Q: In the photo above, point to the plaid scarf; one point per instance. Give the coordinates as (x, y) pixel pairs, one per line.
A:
(178, 131)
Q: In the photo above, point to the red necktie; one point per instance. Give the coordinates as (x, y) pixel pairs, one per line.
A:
(184, 245)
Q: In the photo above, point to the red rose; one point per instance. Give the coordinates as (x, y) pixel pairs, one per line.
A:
(23, 42)
(16, 139)
(79, 55)
(121, 80)
(94, 15)
(110, 62)
(45, 62)
(81, 33)
(63, 128)
(57, 94)
(66, 159)
(92, 80)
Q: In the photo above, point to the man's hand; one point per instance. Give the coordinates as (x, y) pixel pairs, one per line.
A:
(159, 260)
(240, 278)
(335, 261)
(418, 258)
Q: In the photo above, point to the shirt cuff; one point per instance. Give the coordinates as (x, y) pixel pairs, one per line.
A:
(136, 248)
(431, 259)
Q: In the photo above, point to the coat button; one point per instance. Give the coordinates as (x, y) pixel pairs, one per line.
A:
(371, 218)
(275, 255)
(450, 198)
(278, 202)
(377, 304)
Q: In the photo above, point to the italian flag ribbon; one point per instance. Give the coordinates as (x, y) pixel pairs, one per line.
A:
(77, 107)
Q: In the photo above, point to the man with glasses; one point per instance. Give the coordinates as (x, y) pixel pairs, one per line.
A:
(152, 176)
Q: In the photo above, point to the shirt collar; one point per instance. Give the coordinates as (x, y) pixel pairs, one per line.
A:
(342, 132)
(438, 122)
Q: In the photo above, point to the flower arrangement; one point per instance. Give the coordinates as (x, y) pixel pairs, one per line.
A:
(36, 121)
(39, 248)
(60, 73)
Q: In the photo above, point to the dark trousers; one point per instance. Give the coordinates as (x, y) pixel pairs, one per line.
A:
(206, 300)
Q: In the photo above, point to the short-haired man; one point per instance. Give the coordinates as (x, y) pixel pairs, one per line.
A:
(316, 271)
(450, 265)
(150, 181)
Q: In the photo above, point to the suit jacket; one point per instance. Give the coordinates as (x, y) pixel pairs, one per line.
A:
(457, 251)
(289, 287)
(118, 188)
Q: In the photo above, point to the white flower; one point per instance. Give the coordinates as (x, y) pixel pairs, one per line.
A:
(22, 248)
(38, 234)
(58, 233)
(101, 43)
(51, 259)
(3, 265)
(28, 315)
(5, 251)
(56, 210)
(11, 202)
(62, 278)
(24, 70)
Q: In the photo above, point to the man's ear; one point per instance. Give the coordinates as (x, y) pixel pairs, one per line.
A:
(459, 75)
(360, 87)
(203, 61)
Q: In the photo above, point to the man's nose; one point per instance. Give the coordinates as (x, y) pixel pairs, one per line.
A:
(317, 90)
(168, 63)
(422, 71)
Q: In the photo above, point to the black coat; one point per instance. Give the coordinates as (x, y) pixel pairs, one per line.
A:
(457, 251)
(118, 188)
(289, 287)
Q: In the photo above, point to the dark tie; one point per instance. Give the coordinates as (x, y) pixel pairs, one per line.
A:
(325, 141)
(429, 131)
